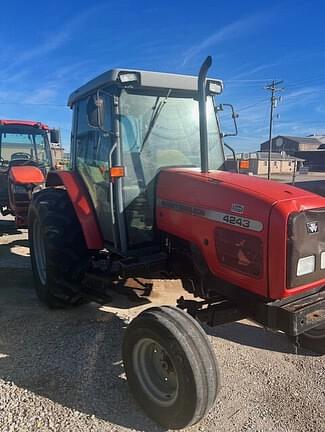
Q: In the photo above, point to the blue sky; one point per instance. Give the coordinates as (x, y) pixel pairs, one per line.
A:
(50, 48)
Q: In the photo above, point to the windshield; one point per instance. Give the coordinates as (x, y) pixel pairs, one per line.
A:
(26, 144)
(164, 129)
(159, 130)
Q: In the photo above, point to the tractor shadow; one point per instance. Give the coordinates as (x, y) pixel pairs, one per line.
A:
(251, 335)
(73, 357)
(8, 227)
(14, 253)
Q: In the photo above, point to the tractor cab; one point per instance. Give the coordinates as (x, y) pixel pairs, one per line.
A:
(24, 143)
(128, 127)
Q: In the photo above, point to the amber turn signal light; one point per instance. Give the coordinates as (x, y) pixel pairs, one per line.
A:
(244, 164)
(117, 172)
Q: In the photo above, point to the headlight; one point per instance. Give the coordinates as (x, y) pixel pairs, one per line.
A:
(128, 77)
(306, 265)
(214, 87)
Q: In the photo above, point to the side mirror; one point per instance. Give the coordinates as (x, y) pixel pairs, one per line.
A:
(55, 136)
(234, 117)
(95, 111)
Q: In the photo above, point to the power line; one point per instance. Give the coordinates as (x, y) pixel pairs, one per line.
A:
(33, 103)
(313, 80)
(248, 80)
(274, 100)
(259, 102)
(301, 121)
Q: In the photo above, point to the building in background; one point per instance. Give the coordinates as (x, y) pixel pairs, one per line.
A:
(57, 152)
(256, 163)
(291, 144)
(310, 148)
(314, 159)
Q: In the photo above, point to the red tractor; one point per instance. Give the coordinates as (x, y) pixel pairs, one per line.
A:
(147, 197)
(25, 159)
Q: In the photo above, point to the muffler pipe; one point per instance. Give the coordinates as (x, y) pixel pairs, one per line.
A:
(203, 114)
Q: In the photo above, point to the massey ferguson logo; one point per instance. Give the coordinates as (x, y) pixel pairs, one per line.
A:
(312, 227)
(237, 208)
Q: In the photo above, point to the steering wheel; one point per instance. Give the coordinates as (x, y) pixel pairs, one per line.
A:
(21, 159)
(20, 155)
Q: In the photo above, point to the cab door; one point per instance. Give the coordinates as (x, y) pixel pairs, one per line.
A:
(92, 147)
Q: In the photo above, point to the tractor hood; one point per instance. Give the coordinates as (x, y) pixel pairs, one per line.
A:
(238, 200)
(223, 189)
(26, 175)
(270, 191)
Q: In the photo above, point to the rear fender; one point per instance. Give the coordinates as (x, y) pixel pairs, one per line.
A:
(82, 205)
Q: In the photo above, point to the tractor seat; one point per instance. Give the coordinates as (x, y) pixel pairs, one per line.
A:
(172, 158)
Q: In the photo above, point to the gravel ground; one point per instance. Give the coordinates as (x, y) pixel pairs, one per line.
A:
(62, 370)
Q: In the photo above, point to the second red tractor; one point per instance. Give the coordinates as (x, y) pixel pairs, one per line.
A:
(25, 160)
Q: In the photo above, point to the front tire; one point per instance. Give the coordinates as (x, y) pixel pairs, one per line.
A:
(58, 251)
(171, 368)
(314, 339)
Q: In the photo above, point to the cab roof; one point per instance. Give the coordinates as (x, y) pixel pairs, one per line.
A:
(24, 123)
(146, 79)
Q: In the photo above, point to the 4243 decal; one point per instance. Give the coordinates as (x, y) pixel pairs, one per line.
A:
(236, 220)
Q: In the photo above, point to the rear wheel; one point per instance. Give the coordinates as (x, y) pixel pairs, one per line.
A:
(58, 251)
(314, 339)
(171, 368)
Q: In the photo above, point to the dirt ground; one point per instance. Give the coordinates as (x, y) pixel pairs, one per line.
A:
(62, 370)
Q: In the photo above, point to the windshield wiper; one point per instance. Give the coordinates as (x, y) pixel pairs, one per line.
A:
(156, 110)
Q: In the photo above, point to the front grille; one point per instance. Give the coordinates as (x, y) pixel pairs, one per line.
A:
(305, 240)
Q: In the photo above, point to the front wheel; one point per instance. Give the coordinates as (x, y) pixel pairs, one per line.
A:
(314, 339)
(171, 368)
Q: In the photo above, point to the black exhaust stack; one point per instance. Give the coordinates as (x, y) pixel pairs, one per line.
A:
(203, 114)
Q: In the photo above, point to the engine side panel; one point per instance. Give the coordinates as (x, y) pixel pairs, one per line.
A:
(200, 206)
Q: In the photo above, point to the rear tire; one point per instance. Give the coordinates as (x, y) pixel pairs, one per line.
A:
(314, 339)
(58, 251)
(171, 368)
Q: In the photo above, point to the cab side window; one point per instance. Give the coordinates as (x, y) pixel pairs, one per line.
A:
(93, 145)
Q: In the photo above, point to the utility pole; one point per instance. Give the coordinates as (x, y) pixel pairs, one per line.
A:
(274, 100)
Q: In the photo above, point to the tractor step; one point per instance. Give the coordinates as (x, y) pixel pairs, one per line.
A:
(140, 266)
